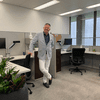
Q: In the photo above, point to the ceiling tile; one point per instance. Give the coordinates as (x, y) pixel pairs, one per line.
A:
(34, 3)
(14, 2)
(62, 7)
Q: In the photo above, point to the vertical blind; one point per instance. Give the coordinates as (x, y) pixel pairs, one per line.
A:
(87, 29)
(98, 29)
(73, 29)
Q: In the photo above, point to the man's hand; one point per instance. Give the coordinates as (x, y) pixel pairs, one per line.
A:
(30, 53)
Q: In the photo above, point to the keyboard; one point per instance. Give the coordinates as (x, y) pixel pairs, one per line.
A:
(69, 50)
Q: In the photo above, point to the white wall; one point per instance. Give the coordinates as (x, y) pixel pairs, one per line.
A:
(18, 48)
(18, 19)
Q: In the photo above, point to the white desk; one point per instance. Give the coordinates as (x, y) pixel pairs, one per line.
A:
(21, 69)
(90, 52)
(63, 52)
(17, 67)
(18, 57)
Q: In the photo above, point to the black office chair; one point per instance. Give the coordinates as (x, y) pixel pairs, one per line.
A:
(77, 58)
(28, 74)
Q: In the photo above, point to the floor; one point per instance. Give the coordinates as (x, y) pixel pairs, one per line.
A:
(68, 86)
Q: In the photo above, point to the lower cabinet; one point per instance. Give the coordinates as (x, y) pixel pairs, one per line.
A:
(96, 61)
(58, 60)
(92, 61)
(38, 73)
(88, 60)
(65, 59)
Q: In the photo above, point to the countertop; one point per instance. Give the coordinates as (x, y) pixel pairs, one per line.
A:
(89, 52)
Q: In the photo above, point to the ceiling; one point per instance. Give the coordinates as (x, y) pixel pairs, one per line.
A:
(62, 7)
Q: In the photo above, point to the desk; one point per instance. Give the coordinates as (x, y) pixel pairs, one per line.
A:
(34, 64)
(89, 52)
(17, 67)
(92, 59)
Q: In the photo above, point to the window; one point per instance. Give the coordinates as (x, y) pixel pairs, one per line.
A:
(87, 29)
(98, 29)
(73, 30)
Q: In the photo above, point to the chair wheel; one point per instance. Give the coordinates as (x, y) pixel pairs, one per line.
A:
(81, 74)
(31, 92)
(69, 69)
(70, 72)
(85, 71)
(33, 85)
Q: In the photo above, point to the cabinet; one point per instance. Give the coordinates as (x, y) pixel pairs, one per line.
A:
(38, 73)
(65, 59)
(96, 61)
(88, 60)
(58, 60)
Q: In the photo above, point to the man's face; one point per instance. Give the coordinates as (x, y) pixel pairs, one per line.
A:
(46, 28)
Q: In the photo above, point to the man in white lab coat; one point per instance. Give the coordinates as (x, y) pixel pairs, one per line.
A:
(45, 45)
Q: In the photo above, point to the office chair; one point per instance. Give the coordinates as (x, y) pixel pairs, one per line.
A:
(77, 58)
(28, 74)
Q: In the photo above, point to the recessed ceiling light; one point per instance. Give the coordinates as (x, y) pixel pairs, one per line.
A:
(1, 0)
(47, 5)
(66, 13)
(93, 6)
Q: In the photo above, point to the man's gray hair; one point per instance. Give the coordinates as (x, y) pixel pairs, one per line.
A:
(47, 24)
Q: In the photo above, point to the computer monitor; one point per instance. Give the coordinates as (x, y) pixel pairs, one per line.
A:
(2, 43)
(68, 42)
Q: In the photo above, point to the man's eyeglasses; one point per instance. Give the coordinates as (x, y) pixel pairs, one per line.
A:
(47, 27)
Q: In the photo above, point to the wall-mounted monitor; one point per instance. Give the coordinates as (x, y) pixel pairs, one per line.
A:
(68, 42)
(2, 43)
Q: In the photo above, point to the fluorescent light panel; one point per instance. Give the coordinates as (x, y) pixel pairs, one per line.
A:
(93, 6)
(66, 13)
(1, 0)
(47, 5)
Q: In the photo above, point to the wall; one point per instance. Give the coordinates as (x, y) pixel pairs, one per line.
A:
(18, 19)
(15, 21)
(18, 48)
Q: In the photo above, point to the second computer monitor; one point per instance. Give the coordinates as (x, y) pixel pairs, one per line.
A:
(68, 42)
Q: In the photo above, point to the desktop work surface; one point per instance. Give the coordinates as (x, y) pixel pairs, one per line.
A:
(11, 65)
(92, 59)
(88, 52)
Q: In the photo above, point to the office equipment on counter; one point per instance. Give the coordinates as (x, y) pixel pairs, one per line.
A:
(8, 49)
(59, 42)
(69, 50)
(86, 49)
(14, 42)
(77, 58)
(2, 43)
(68, 41)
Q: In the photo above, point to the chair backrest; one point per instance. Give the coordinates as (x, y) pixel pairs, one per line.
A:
(27, 61)
(77, 55)
(27, 65)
